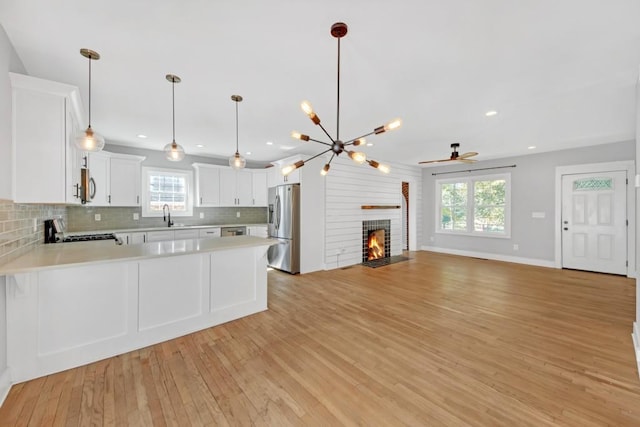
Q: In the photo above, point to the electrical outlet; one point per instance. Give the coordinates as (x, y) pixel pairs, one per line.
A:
(238, 214)
(136, 216)
(97, 217)
(515, 247)
(201, 215)
(35, 225)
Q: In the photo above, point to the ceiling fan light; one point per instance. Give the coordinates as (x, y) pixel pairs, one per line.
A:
(300, 136)
(174, 152)
(237, 162)
(357, 156)
(88, 140)
(325, 169)
(290, 168)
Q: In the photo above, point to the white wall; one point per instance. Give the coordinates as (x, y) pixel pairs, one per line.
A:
(532, 190)
(348, 187)
(636, 325)
(9, 61)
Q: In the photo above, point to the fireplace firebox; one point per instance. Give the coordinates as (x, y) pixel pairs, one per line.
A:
(376, 241)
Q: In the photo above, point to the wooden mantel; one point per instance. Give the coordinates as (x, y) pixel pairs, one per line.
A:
(380, 207)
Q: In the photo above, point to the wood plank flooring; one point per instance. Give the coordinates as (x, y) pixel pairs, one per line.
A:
(437, 340)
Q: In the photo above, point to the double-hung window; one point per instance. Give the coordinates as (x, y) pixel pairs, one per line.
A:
(477, 206)
(169, 187)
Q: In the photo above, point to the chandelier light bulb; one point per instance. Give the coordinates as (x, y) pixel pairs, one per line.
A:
(394, 124)
(290, 168)
(300, 136)
(357, 156)
(359, 141)
(383, 168)
(307, 108)
(325, 169)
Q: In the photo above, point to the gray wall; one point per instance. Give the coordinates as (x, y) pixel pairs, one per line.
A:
(9, 61)
(532, 190)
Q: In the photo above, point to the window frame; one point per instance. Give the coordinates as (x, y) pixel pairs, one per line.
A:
(147, 171)
(471, 206)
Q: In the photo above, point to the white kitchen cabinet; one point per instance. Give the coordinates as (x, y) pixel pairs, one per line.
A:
(98, 164)
(124, 180)
(259, 188)
(275, 175)
(160, 236)
(236, 187)
(257, 231)
(192, 233)
(47, 165)
(209, 232)
(132, 238)
(207, 185)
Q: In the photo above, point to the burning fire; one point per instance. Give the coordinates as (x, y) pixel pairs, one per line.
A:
(376, 247)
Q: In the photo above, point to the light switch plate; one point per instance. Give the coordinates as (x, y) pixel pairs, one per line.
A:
(201, 215)
(238, 214)
(136, 216)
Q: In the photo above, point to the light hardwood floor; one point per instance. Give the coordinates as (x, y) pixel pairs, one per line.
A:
(437, 340)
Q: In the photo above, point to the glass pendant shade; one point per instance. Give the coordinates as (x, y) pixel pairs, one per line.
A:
(88, 140)
(174, 152)
(237, 161)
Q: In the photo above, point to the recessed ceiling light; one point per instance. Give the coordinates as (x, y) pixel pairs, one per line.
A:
(531, 147)
(287, 147)
(490, 113)
(369, 144)
(199, 145)
(141, 136)
(248, 153)
(269, 143)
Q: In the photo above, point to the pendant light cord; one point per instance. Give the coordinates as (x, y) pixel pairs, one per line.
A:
(89, 91)
(338, 97)
(237, 127)
(173, 106)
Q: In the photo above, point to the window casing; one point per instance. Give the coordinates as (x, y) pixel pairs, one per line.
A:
(167, 186)
(474, 206)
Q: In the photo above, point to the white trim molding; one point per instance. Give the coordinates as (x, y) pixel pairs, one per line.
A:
(636, 343)
(5, 384)
(491, 256)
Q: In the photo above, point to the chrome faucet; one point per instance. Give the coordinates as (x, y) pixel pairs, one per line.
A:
(167, 216)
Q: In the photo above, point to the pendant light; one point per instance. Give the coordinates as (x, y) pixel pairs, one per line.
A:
(89, 140)
(337, 147)
(173, 151)
(237, 161)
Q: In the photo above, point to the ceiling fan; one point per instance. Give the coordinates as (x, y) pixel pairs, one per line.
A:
(455, 156)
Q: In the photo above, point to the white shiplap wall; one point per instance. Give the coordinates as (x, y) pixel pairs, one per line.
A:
(348, 187)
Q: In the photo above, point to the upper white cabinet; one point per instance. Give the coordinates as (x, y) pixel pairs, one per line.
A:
(236, 187)
(45, 120)
(207, 184)
(124, 180)
(259, 188)
(275, 175)
(99, 191)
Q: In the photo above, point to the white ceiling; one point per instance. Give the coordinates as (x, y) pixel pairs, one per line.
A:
(560, 73)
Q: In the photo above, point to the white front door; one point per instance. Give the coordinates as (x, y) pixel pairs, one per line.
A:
(594, 222)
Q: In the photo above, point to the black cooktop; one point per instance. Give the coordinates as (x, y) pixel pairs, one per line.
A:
(89, 237)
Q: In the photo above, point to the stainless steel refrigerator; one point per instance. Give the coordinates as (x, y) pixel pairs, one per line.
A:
(284, 225)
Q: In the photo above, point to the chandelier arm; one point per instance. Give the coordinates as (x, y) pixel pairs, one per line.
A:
(317, 155)
(320, 142)
(351, 141)
(326, 133)
(331, 159)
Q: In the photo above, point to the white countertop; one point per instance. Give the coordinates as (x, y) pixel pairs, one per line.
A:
(57, 255)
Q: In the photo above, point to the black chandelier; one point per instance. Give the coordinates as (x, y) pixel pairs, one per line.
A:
(337, 147)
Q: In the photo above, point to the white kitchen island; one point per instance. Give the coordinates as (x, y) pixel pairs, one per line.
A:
(70, 304)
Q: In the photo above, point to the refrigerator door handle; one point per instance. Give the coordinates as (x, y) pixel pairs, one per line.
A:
(277, 219)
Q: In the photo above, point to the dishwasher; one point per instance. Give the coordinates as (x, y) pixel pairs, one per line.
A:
(233, 231)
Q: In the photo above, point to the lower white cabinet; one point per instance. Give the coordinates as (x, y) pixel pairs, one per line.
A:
(160, 236)
(132, 238)
(257, 231)
(192, 233)
(209, 232)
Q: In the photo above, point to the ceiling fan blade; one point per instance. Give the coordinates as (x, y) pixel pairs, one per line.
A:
(466, 160)
(467, 155)
(434, 161)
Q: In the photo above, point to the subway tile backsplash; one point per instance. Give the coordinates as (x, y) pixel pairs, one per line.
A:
(82, 218)
(17, 232)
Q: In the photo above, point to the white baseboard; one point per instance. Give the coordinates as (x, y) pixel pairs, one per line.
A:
(494, 257)
(5, 385)
(636, 343)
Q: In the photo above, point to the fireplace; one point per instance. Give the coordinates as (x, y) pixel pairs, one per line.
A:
(376, 241)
